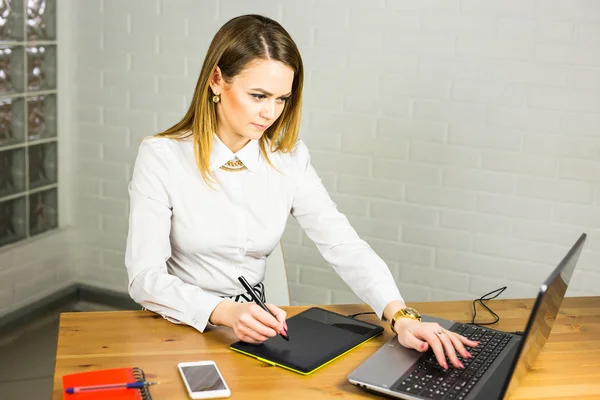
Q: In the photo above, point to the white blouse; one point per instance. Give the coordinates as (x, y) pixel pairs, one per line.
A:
(188, 242)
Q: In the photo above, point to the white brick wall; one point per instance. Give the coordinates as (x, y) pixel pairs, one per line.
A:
(461, 137)
(35, 269)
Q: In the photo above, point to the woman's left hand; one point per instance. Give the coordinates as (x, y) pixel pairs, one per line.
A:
(420, 336)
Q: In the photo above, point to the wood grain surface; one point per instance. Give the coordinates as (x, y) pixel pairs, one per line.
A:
(567, 368)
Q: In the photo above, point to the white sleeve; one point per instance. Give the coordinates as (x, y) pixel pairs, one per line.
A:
(149, 247)
(352, 258)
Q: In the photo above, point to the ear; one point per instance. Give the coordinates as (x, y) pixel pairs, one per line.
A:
(216, 81)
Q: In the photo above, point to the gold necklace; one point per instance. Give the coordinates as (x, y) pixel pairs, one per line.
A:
(233, 166)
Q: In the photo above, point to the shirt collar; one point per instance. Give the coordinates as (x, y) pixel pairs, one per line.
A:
(220, 154)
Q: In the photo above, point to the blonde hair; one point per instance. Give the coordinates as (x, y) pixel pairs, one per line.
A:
(240, 41)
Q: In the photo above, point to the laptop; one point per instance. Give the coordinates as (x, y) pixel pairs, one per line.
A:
(497, 365)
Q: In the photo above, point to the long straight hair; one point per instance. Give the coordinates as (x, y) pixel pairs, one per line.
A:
(240, 41)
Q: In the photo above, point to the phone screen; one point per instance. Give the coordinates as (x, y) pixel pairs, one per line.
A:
(203, 378)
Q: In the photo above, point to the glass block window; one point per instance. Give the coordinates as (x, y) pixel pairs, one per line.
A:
(28, 114)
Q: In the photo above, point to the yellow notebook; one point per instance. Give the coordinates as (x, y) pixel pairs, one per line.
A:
(317, 337)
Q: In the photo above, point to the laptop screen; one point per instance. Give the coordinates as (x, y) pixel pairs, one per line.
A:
(544, 313)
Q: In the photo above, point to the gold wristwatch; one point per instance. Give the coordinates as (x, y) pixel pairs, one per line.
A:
(406, 312)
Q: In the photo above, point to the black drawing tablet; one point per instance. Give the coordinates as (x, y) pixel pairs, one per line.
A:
(317, 337)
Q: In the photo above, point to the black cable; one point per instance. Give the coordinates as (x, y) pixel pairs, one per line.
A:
(485, 297)
(360, 313)
(481, 301)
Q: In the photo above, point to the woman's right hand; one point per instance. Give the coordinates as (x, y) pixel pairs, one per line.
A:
(249, 321)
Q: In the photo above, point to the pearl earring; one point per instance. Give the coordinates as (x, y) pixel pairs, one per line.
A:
(216, 98)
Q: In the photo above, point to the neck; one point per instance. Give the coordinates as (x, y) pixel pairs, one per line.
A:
(233, 142)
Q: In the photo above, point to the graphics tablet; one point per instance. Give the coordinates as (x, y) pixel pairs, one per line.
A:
(317, 337)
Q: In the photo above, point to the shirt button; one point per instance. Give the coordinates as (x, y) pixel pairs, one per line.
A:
(238, 266)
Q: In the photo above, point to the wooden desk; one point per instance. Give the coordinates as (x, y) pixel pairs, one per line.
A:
(568, 367)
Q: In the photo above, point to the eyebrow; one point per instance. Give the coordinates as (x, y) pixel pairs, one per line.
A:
(263, 91)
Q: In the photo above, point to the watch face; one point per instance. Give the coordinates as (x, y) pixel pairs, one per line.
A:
(413, 312)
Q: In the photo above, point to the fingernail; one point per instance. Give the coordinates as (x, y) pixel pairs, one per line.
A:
(424, 346)
(285, 325)
(283, 332)
(461, 365)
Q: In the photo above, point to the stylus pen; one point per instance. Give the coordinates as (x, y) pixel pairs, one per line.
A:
(130, 385)
(258, 301)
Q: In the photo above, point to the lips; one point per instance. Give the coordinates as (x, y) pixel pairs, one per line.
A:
(261, 127)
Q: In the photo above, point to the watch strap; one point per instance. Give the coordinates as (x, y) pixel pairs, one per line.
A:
(401, 314)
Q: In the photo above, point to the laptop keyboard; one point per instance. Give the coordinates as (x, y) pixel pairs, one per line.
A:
(430, 381)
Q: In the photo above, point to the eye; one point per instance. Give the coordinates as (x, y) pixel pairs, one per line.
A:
(284, 99)
(258, 96)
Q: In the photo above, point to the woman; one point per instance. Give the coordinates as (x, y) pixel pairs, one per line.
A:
(210, 199)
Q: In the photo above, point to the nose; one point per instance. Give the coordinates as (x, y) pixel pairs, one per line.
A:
(268, 111)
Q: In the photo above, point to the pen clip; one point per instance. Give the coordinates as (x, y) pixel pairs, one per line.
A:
(245, 283)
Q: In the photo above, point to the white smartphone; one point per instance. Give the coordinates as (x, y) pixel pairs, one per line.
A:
(203, 380)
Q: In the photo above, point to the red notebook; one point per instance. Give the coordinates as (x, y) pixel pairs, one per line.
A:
(105, 377)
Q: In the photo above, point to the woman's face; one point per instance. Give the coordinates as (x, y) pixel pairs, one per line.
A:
(252, 101)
